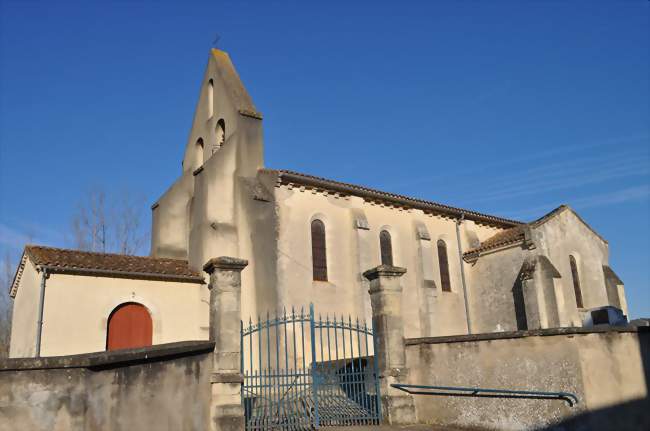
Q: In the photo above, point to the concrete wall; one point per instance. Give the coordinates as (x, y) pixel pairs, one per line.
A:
(158, 388)
(76, 311)
(607, 370)
(495, 292)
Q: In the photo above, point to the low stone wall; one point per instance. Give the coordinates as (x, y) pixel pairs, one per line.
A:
(163, 387)
(607, 369)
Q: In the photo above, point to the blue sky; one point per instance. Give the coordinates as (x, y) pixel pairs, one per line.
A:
(510, 108)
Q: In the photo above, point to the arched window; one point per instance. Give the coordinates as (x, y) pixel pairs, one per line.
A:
(210, 98)
(129, 326)
(220, 135)
(443, 261)
(576, 281)
(198, 150)
(318, 250)
(386, 248)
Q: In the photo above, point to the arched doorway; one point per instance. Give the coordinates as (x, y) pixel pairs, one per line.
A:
(129, 325)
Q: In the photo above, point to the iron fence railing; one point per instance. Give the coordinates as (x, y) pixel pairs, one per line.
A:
(302, 372)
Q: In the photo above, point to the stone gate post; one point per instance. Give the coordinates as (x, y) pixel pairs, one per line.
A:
(226, 410)
(386, 300)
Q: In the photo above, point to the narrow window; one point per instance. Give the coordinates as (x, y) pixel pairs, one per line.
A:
(220, 136)
(445, 283)
(318, 250)
(210, 98)
(576, 281)
(198, 153)
(386, 247)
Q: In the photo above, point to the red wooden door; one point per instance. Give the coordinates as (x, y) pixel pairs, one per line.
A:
(129, 326)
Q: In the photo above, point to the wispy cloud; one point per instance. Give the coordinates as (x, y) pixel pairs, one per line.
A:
(570, 176)
(639, 193)
(630, 194)
(14, 237)
(519, 164)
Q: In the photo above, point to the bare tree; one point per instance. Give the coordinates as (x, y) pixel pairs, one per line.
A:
(130, 233)
(105, 223)
(89, 222)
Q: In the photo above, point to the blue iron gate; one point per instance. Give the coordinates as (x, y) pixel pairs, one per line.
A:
(302, 372)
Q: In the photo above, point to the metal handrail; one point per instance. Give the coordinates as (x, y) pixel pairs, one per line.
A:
(457, 391)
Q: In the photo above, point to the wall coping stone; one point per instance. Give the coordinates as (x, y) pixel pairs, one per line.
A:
(524, 334)
(384, 271)
(110, 359)
(225, 262)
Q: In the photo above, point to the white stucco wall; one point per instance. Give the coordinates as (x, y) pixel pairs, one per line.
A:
(231, 208)
(565, 235)
(171, 219)
(209, 211)
(77, 309)
(495, 275)
(25, 314)
(351, 251)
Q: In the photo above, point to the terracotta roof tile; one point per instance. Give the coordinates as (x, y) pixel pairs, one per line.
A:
(65, 260)
(287, 177)
(505, 237)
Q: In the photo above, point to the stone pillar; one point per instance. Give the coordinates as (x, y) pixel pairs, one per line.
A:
(386, 299)
(427, 292)
(226, 410)
(365, 258)
(538, 288)
(531, 303)
(615, 289)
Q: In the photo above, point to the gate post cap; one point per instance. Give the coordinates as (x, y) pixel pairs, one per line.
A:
(225, 262)
(384, 271)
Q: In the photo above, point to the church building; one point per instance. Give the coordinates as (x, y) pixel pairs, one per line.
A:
(307, 240)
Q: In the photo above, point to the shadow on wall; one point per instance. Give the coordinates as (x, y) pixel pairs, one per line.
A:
(632, 415)
(518, 299)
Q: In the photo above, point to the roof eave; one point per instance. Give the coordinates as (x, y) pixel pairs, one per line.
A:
(473, 255)
(13, 288)
(123, 274)
(289, 177)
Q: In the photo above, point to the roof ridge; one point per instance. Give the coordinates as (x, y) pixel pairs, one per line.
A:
(543, 219)
(441, 206)
(99, 253)
(564, 207)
